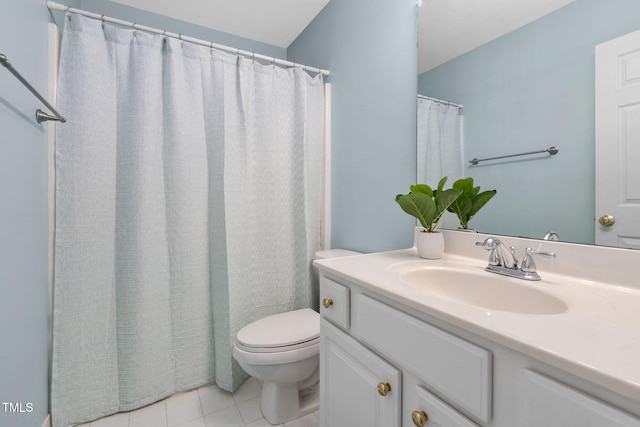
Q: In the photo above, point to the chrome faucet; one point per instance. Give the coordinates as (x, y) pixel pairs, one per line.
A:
(502, 260)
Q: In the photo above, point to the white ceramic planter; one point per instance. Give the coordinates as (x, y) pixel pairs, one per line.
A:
(430, 245)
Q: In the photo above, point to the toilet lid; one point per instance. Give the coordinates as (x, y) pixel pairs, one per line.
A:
(281, 330)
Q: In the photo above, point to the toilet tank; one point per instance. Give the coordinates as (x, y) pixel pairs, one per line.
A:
(335, 253)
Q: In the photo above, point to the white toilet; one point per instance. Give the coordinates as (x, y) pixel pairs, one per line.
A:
(283, 351)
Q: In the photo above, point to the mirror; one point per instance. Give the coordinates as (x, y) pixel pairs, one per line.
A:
(530, 88)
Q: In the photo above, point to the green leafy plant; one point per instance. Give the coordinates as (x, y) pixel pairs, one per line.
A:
(470, 201)
(428, 205)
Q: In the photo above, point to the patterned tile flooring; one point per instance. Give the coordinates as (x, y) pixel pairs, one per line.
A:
(207, 406)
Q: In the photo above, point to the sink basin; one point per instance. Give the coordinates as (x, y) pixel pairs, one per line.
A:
(483, 289)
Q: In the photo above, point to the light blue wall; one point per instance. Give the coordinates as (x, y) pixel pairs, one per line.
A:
(24, 294)
(529, 90)
(370, 49)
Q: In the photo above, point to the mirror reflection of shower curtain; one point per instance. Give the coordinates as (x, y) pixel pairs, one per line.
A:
(439, 146)
(187, 205)
(439, 142)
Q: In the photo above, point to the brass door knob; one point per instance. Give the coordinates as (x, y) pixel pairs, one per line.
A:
(327, 302)
(607, 220)
(419, 418)
(384, 389)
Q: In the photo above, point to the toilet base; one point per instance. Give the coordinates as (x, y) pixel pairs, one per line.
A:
(282, 403)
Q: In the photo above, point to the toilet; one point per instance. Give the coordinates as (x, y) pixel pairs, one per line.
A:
(283, 351)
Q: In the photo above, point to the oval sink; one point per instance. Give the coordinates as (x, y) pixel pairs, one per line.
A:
(484, 289)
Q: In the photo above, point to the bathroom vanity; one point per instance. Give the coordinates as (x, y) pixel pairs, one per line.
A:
(407, 341)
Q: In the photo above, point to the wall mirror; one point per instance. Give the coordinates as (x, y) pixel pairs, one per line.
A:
(524, 74)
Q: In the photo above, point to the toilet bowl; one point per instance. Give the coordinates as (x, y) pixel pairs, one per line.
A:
(283, 351)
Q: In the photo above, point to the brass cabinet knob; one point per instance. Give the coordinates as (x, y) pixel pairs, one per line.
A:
(384, 389)
(419, 418)
(327, 302)
(607, 220)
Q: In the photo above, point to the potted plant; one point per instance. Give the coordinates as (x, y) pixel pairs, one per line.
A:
(428, 206)
(470, 201)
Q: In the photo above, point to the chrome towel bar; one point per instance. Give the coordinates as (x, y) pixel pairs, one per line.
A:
(551, 150)
(41, 116)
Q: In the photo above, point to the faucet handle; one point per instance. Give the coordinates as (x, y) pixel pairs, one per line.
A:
(489, 243)
(494, 257)
(528, 264)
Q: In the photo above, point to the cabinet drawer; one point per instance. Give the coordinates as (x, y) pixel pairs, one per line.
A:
(438, 413)
(549, 403)
(456, 370)
(334, 302)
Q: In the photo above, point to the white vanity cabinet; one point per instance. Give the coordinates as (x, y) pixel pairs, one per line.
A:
(386, 364)
(550, 403)
(365, 360)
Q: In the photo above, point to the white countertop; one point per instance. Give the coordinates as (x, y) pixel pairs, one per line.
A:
(597, 338)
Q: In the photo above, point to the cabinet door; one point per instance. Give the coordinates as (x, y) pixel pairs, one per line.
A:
(350, 375)
(549, 403)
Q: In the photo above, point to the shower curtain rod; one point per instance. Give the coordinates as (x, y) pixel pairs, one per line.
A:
(57, 6)
(440, 101)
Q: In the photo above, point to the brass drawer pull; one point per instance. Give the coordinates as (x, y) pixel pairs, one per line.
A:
(419, 418)
(384, 388)
(327, 302)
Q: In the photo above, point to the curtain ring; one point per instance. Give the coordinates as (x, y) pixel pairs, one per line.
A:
(68, 12)
(102, 20)
(253, 57)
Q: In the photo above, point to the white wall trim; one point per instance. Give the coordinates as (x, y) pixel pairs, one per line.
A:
(53, 56)
(325, 206)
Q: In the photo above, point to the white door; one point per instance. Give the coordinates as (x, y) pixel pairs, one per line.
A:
(618, 142)
(357, 388)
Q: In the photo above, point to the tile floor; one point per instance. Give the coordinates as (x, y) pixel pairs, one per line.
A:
(205, 407)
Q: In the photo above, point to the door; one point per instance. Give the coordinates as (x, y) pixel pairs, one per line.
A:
(357, 387)
(618, 142)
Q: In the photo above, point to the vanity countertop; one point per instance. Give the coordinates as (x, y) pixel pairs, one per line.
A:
(596, 338)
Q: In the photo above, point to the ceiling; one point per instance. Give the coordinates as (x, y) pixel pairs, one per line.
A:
(447, 28)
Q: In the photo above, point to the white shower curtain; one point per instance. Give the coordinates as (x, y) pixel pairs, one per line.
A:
(439, 146)
(439, 142)
(187, 205)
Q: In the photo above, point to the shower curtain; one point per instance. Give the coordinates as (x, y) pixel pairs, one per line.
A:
(187, 205)
(439, 147)
(439, 142)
